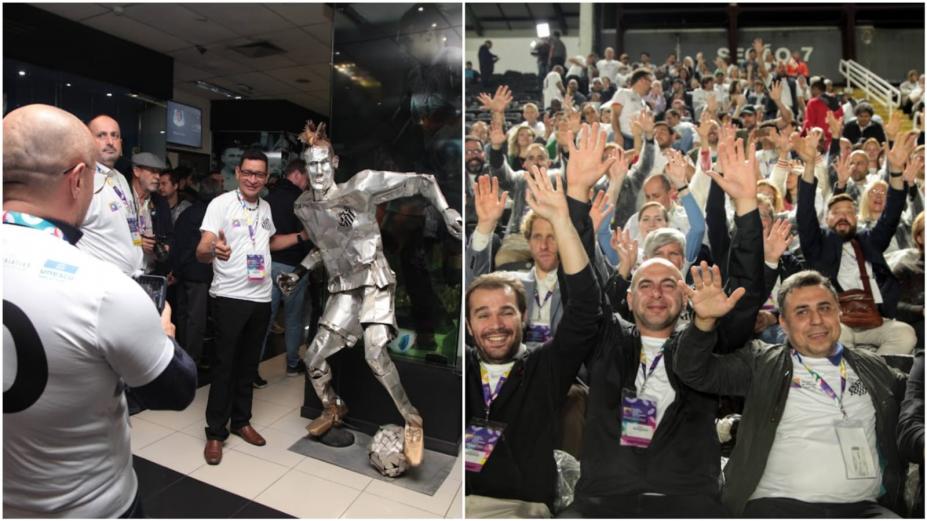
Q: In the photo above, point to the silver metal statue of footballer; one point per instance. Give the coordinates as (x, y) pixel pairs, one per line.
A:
(341, 221)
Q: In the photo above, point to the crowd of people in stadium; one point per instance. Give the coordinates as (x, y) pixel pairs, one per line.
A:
(613, 216)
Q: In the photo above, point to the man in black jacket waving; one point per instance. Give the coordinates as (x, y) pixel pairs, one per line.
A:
(513, 396)
(650, 446)
(841, 253)
(819, 427)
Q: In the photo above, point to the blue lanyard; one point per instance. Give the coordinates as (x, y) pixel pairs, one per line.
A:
(31, 221)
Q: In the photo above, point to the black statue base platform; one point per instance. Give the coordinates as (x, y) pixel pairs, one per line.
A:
(336, 437)
(434, 390)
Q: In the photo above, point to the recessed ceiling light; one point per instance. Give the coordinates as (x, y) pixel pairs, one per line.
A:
(133, 95)
(420, 9)
(237, 97)
(162, 131)
(109, 94)
(22, 73)
(67, 84)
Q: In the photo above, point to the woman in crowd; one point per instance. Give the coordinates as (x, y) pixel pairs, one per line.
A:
(908, 268)
(518, 147)
(871, 205)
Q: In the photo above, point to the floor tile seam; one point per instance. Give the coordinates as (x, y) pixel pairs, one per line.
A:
(397, 500)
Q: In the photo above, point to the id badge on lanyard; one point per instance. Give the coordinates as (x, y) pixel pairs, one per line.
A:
(257, 270)
(480, 441)
(638, 419)
(255, 262)
(639, 411)
(857, 458)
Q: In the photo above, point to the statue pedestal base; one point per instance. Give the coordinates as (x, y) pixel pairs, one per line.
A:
(336, 437)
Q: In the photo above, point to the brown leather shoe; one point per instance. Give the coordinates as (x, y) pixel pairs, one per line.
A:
(331, 417)
(250, 435)
(213, 452)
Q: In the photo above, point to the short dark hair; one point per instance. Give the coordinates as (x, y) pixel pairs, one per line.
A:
(863, 107)
(296, 165)
(498, 280)
(802, 279)
(637, 75)
(819, 84)
(663, 123)
(253, 154)
(706, 79)
(175, 176)
(840, 198)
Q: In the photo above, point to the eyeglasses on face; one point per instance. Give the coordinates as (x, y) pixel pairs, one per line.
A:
(260, 176)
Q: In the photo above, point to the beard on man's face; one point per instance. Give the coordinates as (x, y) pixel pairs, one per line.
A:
(475, 166)
(845, 229)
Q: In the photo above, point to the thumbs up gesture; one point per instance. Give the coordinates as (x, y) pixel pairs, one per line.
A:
(221, 247)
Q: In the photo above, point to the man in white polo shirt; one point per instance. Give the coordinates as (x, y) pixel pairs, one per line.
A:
(110, 231)
(76, 331)
(238, 235)
(818, 435)
(627, 103)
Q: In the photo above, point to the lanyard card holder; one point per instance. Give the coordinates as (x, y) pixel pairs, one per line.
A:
(256, 268)
(857, 458)
(638, 419)
(133, 231)
(480, 441)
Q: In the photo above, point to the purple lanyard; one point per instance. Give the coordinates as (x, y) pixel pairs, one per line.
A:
(490, 395)
(126, 202)
(823, 385)
(653, 367)
(252, 229)
(537, 299)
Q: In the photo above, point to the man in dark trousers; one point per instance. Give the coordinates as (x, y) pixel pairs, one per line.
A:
(487, 63)
(281, 199)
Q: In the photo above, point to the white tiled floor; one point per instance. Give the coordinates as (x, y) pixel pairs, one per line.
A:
(274, 476)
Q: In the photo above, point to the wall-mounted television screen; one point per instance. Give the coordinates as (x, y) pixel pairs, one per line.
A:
(184, 125)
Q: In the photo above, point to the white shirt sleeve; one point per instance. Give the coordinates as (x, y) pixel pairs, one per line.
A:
(129, 333)
(213, 221)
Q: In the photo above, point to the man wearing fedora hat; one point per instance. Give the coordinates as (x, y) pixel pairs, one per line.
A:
(153, 210)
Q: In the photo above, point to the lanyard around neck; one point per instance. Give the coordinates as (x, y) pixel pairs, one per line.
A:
(823, 385)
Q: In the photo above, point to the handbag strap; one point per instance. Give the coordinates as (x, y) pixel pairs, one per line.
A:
(861, 262)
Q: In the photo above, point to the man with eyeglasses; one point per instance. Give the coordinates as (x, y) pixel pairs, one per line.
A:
(111, 229)
(76, 332)
(238, 236)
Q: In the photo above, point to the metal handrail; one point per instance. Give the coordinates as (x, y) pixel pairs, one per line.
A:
(872, 84)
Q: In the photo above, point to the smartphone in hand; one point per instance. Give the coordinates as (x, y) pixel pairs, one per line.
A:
(156, 288)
